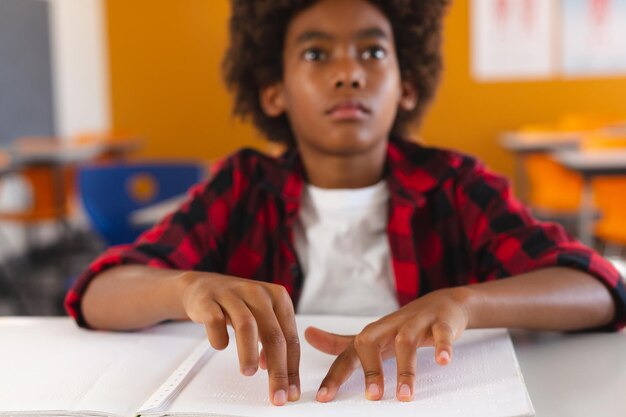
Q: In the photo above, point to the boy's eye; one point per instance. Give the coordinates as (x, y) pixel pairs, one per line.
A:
(374, 52)
(314, 54)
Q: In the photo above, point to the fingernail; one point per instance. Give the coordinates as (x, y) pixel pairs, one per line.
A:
(444, 356)
(321, 394)
(404, 391)
(372, 391)
(294, 394)
(249, 371)
(280, 397)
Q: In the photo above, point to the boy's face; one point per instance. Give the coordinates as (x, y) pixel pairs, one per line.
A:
(341, 86)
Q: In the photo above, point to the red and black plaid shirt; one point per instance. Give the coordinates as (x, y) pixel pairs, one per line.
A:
(451, 223)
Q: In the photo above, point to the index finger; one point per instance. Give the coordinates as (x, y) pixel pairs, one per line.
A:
(274, 346)
(339, 372)
(287, 321)
(368, 350)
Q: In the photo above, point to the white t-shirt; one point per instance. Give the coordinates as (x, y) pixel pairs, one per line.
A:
(341, 242)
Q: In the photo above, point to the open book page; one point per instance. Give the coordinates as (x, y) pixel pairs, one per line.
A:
(483, 380)
(50, 364)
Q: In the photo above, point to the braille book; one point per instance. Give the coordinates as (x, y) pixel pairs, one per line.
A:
(50, 367)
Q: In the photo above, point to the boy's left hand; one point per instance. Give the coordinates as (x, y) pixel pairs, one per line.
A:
(436, 319)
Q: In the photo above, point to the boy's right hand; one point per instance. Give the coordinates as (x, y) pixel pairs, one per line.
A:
(257, 311)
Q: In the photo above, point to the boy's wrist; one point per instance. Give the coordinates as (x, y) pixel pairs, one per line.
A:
(186, 284)
(181, 284)
(468, 299)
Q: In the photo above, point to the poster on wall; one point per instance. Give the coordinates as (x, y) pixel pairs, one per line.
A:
(594, 37)
(512, 39)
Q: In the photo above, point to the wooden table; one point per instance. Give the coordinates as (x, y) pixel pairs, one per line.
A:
(589, 165)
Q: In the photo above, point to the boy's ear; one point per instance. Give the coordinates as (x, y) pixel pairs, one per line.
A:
(408, 99)
(273, 100)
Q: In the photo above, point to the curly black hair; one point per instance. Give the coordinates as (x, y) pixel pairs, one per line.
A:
(254, 57)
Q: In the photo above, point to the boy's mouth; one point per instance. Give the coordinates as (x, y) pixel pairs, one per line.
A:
(346, 110)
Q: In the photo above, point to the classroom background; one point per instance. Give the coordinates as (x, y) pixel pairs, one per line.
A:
(111, 109)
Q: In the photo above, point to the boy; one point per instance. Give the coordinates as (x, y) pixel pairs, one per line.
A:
(352, 219)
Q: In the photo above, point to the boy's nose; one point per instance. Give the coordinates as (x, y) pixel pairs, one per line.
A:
(350, 76)
(355, 84)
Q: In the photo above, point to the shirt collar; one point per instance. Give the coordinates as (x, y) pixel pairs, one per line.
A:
(411, 171)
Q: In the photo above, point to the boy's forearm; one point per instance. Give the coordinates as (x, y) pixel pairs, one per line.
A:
(133, 296)
(547, 299)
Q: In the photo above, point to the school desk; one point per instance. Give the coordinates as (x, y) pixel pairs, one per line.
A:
(574, 375)
(522, 144)
(589, 165)
(58, 154)
(567, 375)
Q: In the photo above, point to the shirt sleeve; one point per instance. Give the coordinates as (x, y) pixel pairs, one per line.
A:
(188, 239)
(506, 240)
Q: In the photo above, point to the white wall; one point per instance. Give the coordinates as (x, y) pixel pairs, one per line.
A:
(80, 66)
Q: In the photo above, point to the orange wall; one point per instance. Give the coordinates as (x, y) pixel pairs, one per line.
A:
(166, 83)
(165, 77)
(468, 115)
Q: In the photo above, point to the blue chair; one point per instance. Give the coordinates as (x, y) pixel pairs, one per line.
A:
(111, 192)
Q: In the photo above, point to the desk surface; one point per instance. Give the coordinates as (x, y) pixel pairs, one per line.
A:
(523, 143)
(574, 375)
(50, 152)
(609, 162)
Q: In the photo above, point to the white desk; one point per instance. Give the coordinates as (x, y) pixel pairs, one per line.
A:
(589, 165)
(576, 375)
(581, 375)
(48, 152)
(539, 142)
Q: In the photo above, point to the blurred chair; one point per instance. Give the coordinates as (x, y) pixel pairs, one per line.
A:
(44, 204)
(552, 188)
(117, 146)
(553, 191)
(609, 194)
(111, 192)
(41, 179)
(30, 201)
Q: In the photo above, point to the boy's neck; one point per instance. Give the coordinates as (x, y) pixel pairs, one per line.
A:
(326, 170)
